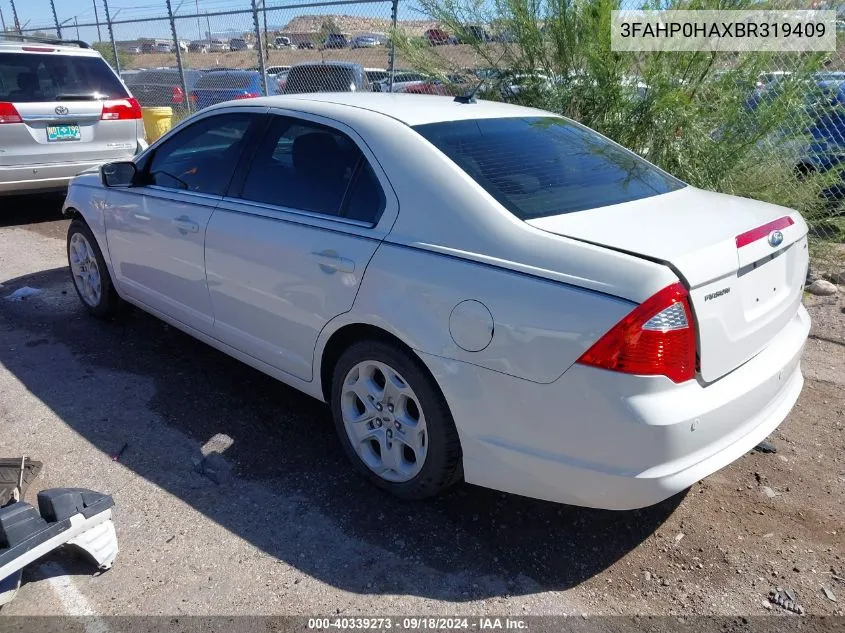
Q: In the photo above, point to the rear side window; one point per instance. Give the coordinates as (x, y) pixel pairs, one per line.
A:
(542, 166)
(307, 166)
(34, 77)
(318, 78)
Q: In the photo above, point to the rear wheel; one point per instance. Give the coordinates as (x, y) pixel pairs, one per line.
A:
(89, 273)
(393, 422)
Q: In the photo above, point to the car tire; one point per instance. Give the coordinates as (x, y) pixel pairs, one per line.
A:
(89, 273)
(413, 420)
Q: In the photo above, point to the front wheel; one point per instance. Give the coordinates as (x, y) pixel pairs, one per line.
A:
(88, 269)
(393, 422)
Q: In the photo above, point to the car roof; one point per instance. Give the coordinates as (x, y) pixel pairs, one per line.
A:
(11, 46)
(407, 108)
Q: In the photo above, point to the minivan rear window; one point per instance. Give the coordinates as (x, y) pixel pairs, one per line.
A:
(35, 77)
(319, 78)
(541, 166)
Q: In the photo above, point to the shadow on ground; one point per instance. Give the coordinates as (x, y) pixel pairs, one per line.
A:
(286, 440)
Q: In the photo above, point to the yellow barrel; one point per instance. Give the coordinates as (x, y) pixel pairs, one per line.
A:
(157, 121)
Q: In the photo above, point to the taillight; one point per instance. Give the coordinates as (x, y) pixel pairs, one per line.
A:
(8, 113)
(656, 339)
(121, 109)
(744, 239)
(178, 95)
(248, 95)
(194, 97)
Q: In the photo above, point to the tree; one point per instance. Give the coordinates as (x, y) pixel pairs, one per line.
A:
(687, 112)
(105, 49)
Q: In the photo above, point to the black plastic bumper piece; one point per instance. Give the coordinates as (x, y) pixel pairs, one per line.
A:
(58, 504)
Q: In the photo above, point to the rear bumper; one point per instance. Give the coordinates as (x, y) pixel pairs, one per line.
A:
(23, 179)
(607, 440)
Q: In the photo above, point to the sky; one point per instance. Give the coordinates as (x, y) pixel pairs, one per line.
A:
(38, 14)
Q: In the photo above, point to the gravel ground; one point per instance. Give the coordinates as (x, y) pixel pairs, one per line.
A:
(293, 532)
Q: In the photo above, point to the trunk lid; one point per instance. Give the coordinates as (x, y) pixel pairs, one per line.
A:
(743, 287)
(29, 142)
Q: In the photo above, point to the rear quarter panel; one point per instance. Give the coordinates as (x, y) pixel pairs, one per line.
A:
(540, 327)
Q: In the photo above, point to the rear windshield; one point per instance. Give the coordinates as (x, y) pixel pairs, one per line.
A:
(224, 81)
(30, 78)
(319, 79)
(541, 166)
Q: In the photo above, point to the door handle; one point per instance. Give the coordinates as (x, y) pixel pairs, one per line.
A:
(186, 225)
(331, 262)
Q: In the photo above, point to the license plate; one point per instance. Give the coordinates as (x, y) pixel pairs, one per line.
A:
(63, 133)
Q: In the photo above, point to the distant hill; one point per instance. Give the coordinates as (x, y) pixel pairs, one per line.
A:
(352, 24)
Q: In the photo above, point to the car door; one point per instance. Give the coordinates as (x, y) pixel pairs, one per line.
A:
(287, 249)
(155, 231)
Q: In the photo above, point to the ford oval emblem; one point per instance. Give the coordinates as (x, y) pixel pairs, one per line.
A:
(61, 110)
(775, 238)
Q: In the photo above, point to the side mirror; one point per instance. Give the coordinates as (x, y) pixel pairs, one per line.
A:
(118, 174)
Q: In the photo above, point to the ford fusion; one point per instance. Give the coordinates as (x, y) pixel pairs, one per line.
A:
(479, 291)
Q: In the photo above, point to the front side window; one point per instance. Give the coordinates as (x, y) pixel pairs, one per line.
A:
(541, 166)
(202, 157)
(307, 166)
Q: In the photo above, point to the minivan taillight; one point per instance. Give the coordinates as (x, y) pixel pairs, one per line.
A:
(656, 339)
(178, 95)
(248, 95)
(8, 113)
(121, 109)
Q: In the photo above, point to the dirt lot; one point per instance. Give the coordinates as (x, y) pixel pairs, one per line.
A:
(460, 56)
(294, 532)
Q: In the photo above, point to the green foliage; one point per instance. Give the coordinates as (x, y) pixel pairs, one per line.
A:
(686, 112)
(105, 49)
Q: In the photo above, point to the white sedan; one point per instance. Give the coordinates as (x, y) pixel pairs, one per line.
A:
(480, 291)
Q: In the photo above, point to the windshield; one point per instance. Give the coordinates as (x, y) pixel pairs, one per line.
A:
(541, 166)
(224, 81)
(29, 78)
(319, 78)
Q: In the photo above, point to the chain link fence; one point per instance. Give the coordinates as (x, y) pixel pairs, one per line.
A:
(187, 54)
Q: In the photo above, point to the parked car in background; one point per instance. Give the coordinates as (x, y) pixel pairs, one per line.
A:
(161, 47)
(198, 47)
(436, 37)
(326, 77)
(435, 271)
(280, 42)
(453, 85)
(305, 44)
(62, 110)
(401, 81)
(162, 87)
(472, 33)
(367, 41)
(375, 75)
(281, 81)
(239, 44)
(334, 40)
(226, 85)
(217, 46)
(275, 70)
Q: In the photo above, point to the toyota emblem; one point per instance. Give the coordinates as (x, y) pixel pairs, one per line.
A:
(775, 238)
(61, 110)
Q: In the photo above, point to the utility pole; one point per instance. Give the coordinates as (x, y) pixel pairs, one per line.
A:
(76, 23)
(97, 20)
(199, 24)
(266, 39)
(15, 18)
(2, 20)
(111, 36)
(56, 19)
